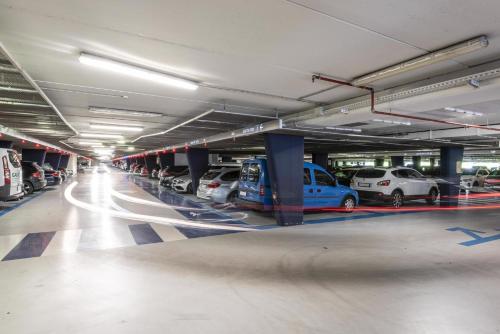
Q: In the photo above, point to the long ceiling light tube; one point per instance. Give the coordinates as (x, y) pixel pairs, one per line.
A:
(24, 104)
(425, 60)
(386, 121)
(136, 71)
(17, 90)
(463, 111)
(102, 126)
(100, 135)
(176, 126)
(123, 112)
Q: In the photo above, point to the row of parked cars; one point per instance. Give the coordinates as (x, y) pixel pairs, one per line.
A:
(20, 178)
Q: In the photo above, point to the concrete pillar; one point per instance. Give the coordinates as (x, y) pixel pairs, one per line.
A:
(128, 162)
(73, 163)
(198, 164)
(63, 163)
(167, 160)
(150, 161)
(53, 159)
(6, 144)
(451, 165)
(285, 164)
(320, 159)
(35, 155)
(416, 160)
(379, 162)
(397, 161)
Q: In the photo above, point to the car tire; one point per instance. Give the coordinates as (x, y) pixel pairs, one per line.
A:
(189, 189)
(231, 198)
(348, 204)
(397, 199)
(432, 197)
(28, 188)
(475, 184)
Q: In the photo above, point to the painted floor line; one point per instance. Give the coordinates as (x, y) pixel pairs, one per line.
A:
(22, 202)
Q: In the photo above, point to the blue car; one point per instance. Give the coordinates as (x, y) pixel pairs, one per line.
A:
(321, 189)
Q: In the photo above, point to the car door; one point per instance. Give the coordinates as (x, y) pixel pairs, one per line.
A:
(309, 190)
(418, 182)
(327, 194)
(481, 176)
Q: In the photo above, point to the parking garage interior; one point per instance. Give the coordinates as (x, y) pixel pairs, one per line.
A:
(294, 166)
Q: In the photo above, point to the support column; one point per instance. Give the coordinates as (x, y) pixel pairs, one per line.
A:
(35, 155)
(416, 161)
(6, 144)
(198, 164)
(150, 161)
(167, 160)
(285, 164)
(451, 165)
(398, 161)
(53, 159)
(63, 163)
(128, 162)
(379, 162)
(320, 159)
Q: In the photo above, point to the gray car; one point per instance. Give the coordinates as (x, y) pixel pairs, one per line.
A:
(219, 186)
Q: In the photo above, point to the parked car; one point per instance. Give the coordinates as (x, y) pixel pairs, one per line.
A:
(394, 185)
(473, 177)
(63, 174)
(321, 190)
(155, 172)
(345, 175)
(52, 176)
(169, 173)
(11, 180)
(219, 185)
(492, 181)
(183, 184)
(33, 177)
(144, 171)
(137, 169)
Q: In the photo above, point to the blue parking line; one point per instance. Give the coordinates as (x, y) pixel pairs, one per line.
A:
(348, 218)
(24, 201)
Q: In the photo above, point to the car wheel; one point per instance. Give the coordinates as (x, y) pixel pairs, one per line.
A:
(231, 198)
(397, 199)
(189, 189)
(433, 194)
(349, 204)
(28, 188)
(476, 184)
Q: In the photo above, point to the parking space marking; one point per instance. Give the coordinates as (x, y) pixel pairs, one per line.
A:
(144, 234)
(477, 239)
(32, 245)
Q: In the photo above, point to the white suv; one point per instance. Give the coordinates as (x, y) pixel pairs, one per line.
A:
(395, 185)
(473, 177)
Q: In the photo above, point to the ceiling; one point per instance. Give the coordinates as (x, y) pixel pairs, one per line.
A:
(254, 57)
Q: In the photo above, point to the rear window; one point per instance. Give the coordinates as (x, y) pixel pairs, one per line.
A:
(370, 173)
(210, 175)
(244, 172)
(253, 172)
(14, 159)
(176, 168)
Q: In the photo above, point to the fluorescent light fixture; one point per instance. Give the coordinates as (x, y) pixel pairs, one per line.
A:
(130, 148)
(115, 127)
(342, 129)
(100, 135)
(463, 111)
(18, 90)
(123, 112)
(386, 121)
(104, 151)
(425, 60)
(89, 143)
(136, 72)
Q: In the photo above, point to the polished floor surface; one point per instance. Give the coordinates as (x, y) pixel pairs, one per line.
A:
(108, 252)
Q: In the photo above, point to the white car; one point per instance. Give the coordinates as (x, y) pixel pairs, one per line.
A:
(11, 180)
(395, 185)
(473, 177)
(183, 184)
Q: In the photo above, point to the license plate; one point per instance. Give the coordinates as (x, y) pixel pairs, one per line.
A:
(366, 185)
(243, 193)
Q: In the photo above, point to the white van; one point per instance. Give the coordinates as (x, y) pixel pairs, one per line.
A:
(11, 175)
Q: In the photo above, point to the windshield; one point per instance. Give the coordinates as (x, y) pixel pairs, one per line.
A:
(496, 172)
(210, 175)
(14, 159)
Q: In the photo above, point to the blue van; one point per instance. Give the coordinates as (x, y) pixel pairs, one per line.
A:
(321, 189)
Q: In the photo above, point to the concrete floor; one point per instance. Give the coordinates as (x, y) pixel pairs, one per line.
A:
(91, 272)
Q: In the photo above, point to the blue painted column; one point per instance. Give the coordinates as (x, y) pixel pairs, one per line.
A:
(6, 144)
(128, 162)
(63, 163)
(320, 159)
(397, 161)
(167, 160)
(35, 155)
(150, 161)
(416, 161)
(53, 159)
(198, 165)
(451, 161)
(285, 164)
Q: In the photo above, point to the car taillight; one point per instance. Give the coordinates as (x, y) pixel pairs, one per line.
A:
(55, 174)
(6, 170)
(37, 175)
(261, 190)
(213, 185)
(384, 183)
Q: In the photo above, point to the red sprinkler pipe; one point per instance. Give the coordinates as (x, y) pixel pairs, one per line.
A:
(373, 110)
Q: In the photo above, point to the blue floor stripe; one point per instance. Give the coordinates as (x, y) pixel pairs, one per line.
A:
(347, 218)
(32, 245)
(190, 232)
(144, 234)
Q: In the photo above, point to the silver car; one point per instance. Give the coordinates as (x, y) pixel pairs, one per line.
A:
(183, 184)
(220, 185)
